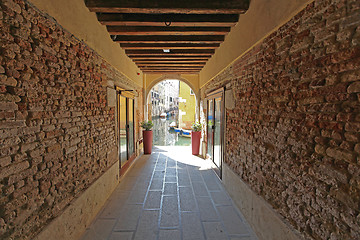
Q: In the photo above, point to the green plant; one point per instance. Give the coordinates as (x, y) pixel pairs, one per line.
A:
(196, 127)
(147, 125)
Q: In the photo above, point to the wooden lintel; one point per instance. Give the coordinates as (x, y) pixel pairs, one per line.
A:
(166, 6)
(169, 45)
(170, 39)
(141, 30)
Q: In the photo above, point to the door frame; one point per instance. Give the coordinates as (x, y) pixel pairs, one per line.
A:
(212, 96)
(127, 94)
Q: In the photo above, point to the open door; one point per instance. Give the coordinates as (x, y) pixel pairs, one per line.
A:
(215, 134)
(125, 125)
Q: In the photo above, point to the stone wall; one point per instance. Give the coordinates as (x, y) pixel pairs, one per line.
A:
(57, 131)
(293, 132)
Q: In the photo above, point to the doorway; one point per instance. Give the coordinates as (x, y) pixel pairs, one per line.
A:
(215, 134)
(125, 115)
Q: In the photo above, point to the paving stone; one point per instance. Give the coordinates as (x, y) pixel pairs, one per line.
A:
(187, 199)
(191, 226)
(214, 231)
(157, 216)
(183, 179)
(170, 189)
(200, 189)
(169, 235)
(172, 179)
(207, 210)
(148, 225)
(220, 198)
(137, 196)
(153, 200)
(114, 206)
(129, 218)
(100, 229)
(169, 212)
(157, 184)
(232, 221)
(121, 236)
(159, 174)
(171, 172)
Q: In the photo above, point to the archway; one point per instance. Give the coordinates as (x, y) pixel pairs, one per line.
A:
(164, 77)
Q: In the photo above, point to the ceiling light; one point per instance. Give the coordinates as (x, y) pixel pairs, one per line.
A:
(166, 50)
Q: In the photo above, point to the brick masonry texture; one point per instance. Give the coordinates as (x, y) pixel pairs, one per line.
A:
(293, 135)
(57, 132)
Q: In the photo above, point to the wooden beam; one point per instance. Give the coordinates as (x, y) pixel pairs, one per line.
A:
(139, 61)
(166, 6)
(169, 45)
(135, 30)
(169, 57)
(170, 71)
(180, 20)
(172, 52)
(173, 64)
(170, 39)
(169, 63)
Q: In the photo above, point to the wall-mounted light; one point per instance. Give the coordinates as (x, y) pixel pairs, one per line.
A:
(166, 50)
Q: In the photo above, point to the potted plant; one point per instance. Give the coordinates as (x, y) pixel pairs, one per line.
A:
(147, 135)
(195, 138)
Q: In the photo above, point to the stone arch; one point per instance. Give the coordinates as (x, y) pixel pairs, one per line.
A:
(172, 77)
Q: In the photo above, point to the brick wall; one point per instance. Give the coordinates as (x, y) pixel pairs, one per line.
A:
(57, 132)
(293, 135)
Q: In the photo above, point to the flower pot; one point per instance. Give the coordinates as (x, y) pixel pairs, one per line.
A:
(148, 138)
(195, 142)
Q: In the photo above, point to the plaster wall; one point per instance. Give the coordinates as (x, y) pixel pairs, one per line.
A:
(75, 17)
(262, 18)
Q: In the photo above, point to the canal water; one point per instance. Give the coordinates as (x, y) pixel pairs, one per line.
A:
(163, 137)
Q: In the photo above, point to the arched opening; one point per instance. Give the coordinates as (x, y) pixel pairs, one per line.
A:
(172, 106)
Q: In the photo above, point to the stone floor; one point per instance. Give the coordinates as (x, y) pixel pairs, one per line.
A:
(170, 195)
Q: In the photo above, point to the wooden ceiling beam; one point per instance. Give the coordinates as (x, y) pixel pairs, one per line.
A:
(169, 45)
(169, 71)
(166, 6)
(179, 20)
(170, 39)
(170, 64)
(169, 57)
(139, 61)
(130, 52)
(168, 31)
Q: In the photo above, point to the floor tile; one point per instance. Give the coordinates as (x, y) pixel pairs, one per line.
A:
(166, 196)
(153, 200)
(214, 231)
(148, 225)
(169, 212)
(232, 221)
(191, 226)
(200, 189)
(170, 189)
(207, 210)
(100, 229)
(187, 199)
(169, 235)
(121, 236)
(129, 218)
